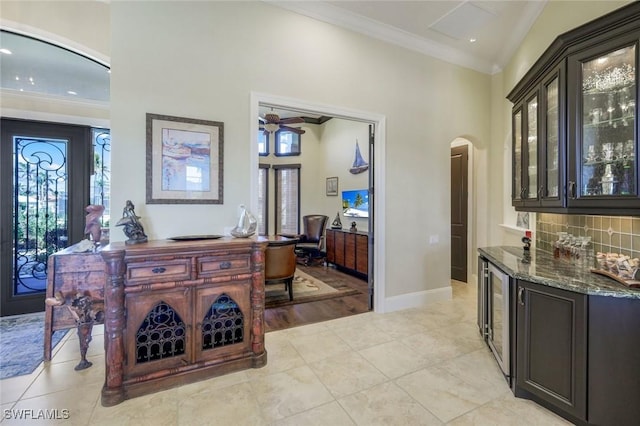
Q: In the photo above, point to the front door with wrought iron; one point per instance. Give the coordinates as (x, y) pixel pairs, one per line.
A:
(44, 188)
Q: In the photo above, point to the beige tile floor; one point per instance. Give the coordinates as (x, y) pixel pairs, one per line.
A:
(423, 366)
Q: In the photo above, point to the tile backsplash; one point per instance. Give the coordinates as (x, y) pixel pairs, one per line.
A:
(616, 234)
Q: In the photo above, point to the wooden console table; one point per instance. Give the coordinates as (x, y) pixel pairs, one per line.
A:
(349, 251)
(71, 273)
(178, 312)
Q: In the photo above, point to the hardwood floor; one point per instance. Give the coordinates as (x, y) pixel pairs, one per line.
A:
(322, 310)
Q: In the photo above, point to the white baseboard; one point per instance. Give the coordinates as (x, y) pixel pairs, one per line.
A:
(417, 299)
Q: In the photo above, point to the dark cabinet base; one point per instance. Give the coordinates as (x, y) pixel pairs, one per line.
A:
(551, 347)
(577, 355)
(348, 251)
(614, 361)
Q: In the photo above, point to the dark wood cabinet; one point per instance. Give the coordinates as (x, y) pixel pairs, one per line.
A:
(603, 165)
(614, 370)
(348, 251)
(551, 360)
(574, 122)
(176, 312)
(574, 337)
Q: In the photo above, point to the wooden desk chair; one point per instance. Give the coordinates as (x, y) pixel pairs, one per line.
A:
(280, 266)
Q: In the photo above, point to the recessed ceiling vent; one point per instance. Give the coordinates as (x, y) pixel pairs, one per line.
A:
(462, 21)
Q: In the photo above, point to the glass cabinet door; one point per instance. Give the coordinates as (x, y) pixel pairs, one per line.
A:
(532, 149)
(518, 188)
(552, 140)
(607, 149)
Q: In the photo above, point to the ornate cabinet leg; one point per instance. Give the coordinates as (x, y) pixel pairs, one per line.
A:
(84, 337)
(257, 306)
(113, 389)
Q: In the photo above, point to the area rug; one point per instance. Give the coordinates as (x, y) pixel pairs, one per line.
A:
(22, 343)
(305, 289)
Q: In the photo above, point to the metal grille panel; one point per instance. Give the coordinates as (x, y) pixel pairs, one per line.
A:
(223, 324)
(161, 335)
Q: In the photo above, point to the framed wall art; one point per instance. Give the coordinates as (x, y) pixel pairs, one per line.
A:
(184, 160)
(332, 186)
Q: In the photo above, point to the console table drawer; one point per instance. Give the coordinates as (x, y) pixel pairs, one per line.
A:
(160, 271)
(223, 265)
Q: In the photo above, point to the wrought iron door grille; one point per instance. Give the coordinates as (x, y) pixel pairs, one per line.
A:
(39, 209)
(161, 335)
(223, 324)
(100, 181)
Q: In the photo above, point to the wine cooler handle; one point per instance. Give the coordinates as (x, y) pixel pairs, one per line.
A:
(521, 296)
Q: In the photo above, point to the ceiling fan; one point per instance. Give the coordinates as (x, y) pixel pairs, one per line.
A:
(272, 123)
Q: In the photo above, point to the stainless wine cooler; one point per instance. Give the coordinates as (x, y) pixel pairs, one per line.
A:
(494, 293)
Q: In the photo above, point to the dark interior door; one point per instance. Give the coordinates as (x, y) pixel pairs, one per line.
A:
(44, 188)
(459, 191)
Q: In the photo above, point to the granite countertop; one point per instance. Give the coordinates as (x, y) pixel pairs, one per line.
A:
(544, 269)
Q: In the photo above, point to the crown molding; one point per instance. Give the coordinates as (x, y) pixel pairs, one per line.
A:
(511, 44)
(337, 16)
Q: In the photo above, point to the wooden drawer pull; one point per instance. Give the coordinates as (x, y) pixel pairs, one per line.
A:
(159, 270)
(225, 265)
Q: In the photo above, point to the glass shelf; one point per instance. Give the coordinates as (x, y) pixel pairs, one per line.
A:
(608, 123)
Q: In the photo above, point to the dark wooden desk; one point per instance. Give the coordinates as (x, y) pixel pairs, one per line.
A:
(281, 240)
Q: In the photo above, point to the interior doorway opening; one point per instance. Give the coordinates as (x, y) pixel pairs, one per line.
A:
(375, 183)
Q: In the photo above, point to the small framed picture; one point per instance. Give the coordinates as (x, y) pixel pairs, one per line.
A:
(332, 185)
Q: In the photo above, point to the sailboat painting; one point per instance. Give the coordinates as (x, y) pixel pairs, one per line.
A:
(359, 165)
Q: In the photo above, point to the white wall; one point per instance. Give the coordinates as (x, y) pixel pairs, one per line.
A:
(203, 61)
(338, 147)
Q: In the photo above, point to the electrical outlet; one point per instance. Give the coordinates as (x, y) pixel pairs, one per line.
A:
(434, 239)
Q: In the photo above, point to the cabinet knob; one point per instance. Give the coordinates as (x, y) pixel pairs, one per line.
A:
(159, 270)
(225, 265)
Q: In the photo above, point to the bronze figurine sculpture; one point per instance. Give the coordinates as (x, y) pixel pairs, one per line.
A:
(132, 226)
